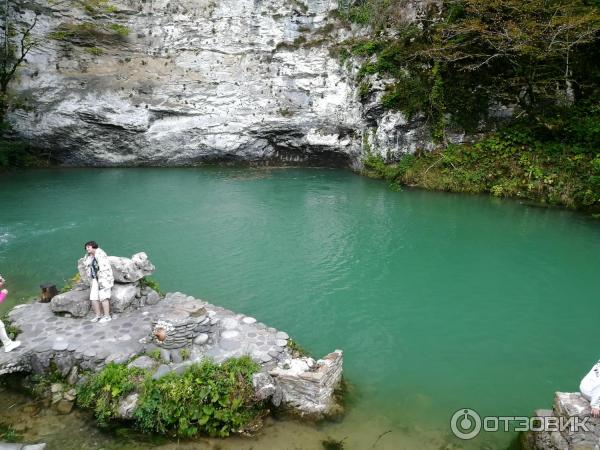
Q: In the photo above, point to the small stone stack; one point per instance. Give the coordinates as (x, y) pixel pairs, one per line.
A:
(182, 323)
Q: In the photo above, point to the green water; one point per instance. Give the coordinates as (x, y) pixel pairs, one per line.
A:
(439, 301)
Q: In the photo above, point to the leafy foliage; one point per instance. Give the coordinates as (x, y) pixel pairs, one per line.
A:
(151, 283)
(207, 398)
(9, 434)
(473, 53)
(519, 161)
(103, 390)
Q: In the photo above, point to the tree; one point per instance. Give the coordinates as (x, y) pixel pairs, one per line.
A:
(16, 45)
(529, 45)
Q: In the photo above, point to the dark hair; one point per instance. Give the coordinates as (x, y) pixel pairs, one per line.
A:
(94, 244)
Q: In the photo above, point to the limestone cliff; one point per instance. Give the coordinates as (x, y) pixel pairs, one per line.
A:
(158, 82)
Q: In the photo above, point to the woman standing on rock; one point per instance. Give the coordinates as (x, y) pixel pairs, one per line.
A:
(9, 345)
(97, 273)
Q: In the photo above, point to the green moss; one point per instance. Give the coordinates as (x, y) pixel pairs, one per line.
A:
(121, 30)
(155, 354)
(95, 7)
(9, 434)
(151, 283)
(59, 35)
(41, 383)
(332, 444)
(361, 14)
(296, 349)
(96, 51)
(89, 31)
(71, 282)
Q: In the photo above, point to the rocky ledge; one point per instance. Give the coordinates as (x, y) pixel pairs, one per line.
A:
(568, 407)
(166, 334)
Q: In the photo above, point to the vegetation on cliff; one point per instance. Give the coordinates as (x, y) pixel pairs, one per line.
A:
(460, 59)
(513, 162)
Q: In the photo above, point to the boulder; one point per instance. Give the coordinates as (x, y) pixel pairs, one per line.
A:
(127, 406)
(127, 270)
(143, 362)
(152, 297)
(64, 406)
(161, 372)
(264, 386)
(122, 295)
(75, 302)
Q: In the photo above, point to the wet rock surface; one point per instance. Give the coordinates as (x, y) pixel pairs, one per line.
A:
(569, 407)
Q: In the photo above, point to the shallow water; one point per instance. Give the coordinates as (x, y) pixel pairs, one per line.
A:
(440, 301)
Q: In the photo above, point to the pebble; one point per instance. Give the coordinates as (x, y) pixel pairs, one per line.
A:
(230, 323)
(281, 342)
(59, 346)
(201, 339)
(230, 334)
(249, 320)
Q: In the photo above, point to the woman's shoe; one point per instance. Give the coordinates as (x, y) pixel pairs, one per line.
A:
(11, 346)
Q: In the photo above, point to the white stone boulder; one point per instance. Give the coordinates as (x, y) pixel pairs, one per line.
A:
(126, 270)
(122, 296)
(75, 302)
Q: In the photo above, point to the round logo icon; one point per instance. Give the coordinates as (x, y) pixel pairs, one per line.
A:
(465, 424)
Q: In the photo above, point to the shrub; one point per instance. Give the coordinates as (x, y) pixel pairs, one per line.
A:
(103, 390)
(151, 283)
(206, 398)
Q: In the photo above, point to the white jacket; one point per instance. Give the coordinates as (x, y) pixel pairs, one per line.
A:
(590, 386)
(106, 279)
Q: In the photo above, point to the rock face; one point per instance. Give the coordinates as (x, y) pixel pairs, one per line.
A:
(126, 270)
(199, 80)
(567, 405)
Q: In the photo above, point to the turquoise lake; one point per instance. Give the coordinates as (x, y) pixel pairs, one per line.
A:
(439, 301)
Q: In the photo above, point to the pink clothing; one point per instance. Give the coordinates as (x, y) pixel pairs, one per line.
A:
(2, 296)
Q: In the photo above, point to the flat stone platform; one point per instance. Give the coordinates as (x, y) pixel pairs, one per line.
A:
(67, 341)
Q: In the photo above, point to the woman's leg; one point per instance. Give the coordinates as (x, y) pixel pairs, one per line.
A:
(106, 307)
(3, 336)
(96, 308)
(9, 345)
